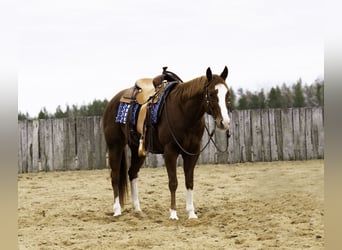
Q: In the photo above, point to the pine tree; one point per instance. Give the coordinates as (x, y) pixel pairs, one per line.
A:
(298, 98)
(243, 102)
(43, 114)
(274, 99)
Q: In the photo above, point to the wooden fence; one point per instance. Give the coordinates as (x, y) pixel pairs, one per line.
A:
(256, 135)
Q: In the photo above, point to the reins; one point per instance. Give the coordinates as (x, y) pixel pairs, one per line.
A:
(178, 143)
(210, 134)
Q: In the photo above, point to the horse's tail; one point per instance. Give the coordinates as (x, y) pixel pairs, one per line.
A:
(123, 178)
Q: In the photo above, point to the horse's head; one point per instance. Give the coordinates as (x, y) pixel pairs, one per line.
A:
(217, 98)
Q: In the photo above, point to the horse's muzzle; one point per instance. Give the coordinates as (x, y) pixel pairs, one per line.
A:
(221, 124)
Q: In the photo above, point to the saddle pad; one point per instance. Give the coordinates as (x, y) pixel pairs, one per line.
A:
(157, 107)
(123, 110)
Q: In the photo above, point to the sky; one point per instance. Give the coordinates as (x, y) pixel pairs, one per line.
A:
(75, 51)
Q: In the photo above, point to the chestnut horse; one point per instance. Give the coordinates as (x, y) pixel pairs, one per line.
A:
(180, 128)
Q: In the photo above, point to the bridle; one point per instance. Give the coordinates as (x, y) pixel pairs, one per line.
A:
(210, 134)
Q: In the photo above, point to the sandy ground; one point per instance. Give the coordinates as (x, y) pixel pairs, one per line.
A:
(241, 206)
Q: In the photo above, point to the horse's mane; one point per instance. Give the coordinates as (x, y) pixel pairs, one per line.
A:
(191, 88)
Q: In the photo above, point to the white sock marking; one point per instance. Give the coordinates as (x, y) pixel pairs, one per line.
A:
(173, 214)
(190, 204)
(135, 194)
(117, 207)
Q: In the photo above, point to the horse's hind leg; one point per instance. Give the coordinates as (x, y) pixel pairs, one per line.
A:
(136, 163)
(117, 162)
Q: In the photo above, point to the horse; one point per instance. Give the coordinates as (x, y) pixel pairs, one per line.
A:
(179, 129)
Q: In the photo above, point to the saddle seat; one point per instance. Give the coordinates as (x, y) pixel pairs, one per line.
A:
(143, 90)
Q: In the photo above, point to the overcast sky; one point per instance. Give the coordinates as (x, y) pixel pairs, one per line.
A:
(75, 51)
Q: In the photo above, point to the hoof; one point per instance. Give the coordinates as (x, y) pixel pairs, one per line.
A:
(192, 215)
(173, 215)
(116, 214)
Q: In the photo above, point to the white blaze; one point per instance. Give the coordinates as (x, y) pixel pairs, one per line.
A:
(222, 91)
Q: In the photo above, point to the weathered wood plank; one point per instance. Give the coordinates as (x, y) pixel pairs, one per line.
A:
(231, 140)
(69, 143)
(155, 160)
(46, 144)
(299, 133)
(287, 130)
(58, 137)
(317, 133)
(234, 141)
(273, 137)
(247, 143)
(23, 148)
(222, 144)
(99, 144)
(29, 146)
(35, 146)
(265, 135)
(278, 133)
(242, 116)
(308, 138)
(256, 135)
(84, 137)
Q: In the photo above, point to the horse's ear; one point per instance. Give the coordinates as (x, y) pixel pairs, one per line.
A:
(209, 74)
(224, 73)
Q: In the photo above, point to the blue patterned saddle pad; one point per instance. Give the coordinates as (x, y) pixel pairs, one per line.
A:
(156, 108)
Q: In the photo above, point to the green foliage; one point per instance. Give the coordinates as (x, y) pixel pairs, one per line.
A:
(283, 97)
(22, 117)
(95, 108)
(298, 98)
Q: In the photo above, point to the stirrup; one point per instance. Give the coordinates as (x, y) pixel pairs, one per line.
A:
(141, 150)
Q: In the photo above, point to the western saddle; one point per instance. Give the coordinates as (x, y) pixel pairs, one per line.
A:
(144, 92)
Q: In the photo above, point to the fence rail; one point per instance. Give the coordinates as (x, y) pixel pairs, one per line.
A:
(256, 135)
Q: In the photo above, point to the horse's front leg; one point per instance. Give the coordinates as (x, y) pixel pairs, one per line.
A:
(189, 165)
(170, 162)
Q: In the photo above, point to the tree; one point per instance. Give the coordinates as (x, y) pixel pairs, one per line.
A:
(286, 97)
(243, 101)
(262, 99)
(274, 99)
(59, 113)
(22, 117)
(232, 99)
(43, 114)
(320, 93)
(298, 98)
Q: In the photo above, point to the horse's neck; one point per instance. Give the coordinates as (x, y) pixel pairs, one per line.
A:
(192, 94)
(193, 89)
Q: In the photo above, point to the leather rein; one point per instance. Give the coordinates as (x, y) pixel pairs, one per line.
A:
(210, 134)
